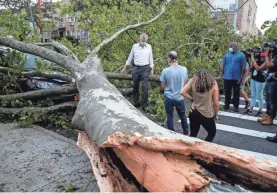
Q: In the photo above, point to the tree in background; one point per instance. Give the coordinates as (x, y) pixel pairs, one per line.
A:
(128, 151)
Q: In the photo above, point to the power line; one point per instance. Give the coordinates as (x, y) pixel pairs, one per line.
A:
(242, 5)
(210, 4)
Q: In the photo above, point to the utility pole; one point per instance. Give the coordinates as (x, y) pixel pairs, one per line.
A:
(236, 14)
(39, 19)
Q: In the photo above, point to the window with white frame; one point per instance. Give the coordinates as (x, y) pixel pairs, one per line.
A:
(71, 18)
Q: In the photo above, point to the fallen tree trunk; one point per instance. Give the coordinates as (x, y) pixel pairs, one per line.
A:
(26, 74)
(16, 111)
(120, 139)
(71, 89)
(120, 76)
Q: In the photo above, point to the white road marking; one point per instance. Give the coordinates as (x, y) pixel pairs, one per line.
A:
(241, 98)
(242, 106)
(259, 155)
(241, 131)
(240, 116)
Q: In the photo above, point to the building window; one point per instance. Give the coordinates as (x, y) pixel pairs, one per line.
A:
(249, 11)
(71, 18)
(226, 5)
(85, 35)
(232, 7)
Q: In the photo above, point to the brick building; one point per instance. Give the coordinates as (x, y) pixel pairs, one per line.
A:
(243, 20)
(65, 27)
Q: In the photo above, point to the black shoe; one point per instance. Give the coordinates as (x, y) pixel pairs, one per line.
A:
(136, 104)
(145, 109)
(246, 105)
(259, 114)
(272, 139)
(248, 112)
(236, 109)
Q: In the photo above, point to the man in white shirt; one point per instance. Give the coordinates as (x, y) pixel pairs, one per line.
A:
(142, 55)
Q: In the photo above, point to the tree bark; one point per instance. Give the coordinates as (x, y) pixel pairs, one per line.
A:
(41, 93)
(53, 75)
(16, 111)
(120, 76)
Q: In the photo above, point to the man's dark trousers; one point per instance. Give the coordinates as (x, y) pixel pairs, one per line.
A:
(230, 85)
(140, 73)
(271, 98)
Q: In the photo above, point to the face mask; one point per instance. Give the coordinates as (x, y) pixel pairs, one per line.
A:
(142, 44)
(231, 50)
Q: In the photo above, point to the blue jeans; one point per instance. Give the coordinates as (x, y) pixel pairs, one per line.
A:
(181, 110)
(271, 98)
(257, 92)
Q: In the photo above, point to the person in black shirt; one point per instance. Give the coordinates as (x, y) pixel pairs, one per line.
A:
(257, 83)
(272, 84)
(270, 89)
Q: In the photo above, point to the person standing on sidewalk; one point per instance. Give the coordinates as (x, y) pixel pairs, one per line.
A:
(142, 55)
(270, 89)
(233, 67)
(205, 103)
(257, 84)
(173, 79)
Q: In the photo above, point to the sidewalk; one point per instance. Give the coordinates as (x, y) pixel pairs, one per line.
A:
(36, 159)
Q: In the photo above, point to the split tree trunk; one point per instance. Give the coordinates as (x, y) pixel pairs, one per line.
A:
(129, 152)
(167, 161)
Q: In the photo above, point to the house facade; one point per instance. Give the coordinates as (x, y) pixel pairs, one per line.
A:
(241, 13)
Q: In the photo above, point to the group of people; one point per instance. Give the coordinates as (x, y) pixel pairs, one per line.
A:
(177, 86)
(263, 71)
(202, 89)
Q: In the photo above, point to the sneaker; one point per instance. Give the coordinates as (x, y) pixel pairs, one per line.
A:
(248, 112)
(259, 114)
(246, 105)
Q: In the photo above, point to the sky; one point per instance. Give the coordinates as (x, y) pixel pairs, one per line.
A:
(265, 11)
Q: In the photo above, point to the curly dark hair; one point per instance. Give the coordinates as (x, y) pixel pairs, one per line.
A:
(204, 81)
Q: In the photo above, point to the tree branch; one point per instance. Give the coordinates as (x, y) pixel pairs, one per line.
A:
(65, 77)
(197, 43)
(41, 93)
(16, 111)
(45, 53)
(26, 74)
(60, 48)
(65, 51)
(131, 37)
(120, 76)
(118, 33)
